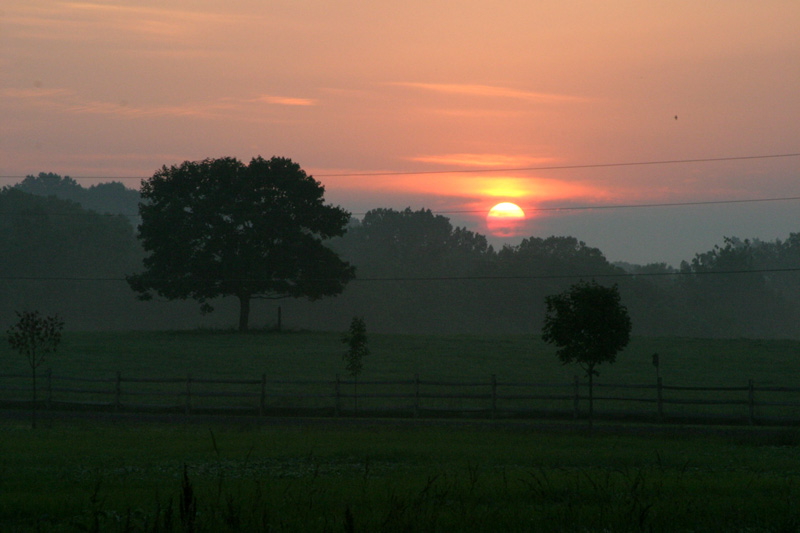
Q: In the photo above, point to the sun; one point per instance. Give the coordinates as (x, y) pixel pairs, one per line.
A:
(505, 219)
(506, 210)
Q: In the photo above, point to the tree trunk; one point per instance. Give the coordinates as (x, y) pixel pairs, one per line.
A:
(591, 395)
(34, 407)
(244, 312)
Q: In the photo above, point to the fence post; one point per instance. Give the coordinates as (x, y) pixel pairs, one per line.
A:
(49, 388)
(338, 397)
(660, 400)
(261, 406)
(494, 395)
(416, 395)
(577, 396)
(118, 392)
(751, 397)
(188, 393)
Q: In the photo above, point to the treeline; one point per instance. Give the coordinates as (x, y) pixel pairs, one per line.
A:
(416, 273)
(65, 250)
(105, 198)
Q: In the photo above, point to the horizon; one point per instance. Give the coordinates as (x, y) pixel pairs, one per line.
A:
(449, 107)
(497, 241)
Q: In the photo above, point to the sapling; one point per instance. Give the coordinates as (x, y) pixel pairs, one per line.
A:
(34, 337)
(356, 341)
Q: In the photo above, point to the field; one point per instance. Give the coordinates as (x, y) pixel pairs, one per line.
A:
(314, 359)
(317, 355)
(323, 475)
(126, 473)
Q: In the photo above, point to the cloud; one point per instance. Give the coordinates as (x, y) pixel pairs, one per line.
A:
(66, 101)
(31, 93)
(101, 21)
(491, 187)
(483, 160)
(170, 17)
(490, 91)
(286, 100)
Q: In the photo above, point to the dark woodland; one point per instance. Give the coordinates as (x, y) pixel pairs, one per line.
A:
(67, 249)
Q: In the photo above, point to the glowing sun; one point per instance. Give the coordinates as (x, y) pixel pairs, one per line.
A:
(505, 219)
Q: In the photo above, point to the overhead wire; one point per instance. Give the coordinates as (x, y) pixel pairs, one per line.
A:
(521, 169)
(378, 279)
(537, 168)
(561, 167)
(473, 211)
(490, 170)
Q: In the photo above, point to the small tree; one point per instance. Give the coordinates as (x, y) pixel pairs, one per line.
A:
(589, 325)
(34, 337)
(356, 341)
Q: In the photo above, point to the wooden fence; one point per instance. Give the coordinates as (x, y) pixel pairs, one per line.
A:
(746, 403)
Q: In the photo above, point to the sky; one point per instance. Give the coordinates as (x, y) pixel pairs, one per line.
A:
(452, 106)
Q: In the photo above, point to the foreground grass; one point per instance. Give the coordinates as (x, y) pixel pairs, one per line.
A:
(388, 476)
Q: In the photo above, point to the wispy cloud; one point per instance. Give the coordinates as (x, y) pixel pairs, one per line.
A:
(156, 19)
(33, 93)
(483, 160)
(92, 21)
(66, 101)
(490, 91)
(529, 190)
(286, 100)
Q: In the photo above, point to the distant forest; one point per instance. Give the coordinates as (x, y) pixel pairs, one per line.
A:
(416, 273)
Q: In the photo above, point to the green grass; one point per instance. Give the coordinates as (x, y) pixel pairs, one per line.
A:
(316, 356)
(311, 355)
(304, 476)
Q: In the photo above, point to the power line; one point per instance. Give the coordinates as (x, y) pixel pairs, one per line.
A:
(587, 276)
(490, 170)
(560, 167)
(472, 211)
(467, 278)
(636, 206)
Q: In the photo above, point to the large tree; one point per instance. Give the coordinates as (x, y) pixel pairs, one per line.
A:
(589, 325)
(221, 228)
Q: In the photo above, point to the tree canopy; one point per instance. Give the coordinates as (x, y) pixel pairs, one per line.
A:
(112, 197)
(60, 256)
(218, 227)
(588, 324)
(419, 273)
(34, 337)
(410, 244)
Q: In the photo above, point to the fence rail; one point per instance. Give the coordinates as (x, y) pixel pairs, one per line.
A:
(745, 403)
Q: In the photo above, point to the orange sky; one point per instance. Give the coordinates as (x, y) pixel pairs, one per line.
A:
(117, 89)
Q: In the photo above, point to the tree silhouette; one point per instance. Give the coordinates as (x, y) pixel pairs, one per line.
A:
(112, 197)
(356, 341)
(34, 336)
(589, 325)
(219, 228)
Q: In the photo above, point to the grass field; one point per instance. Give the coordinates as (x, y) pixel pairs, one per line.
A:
(314, 356)
(124, 474)
(311, 355)
(324, 475)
